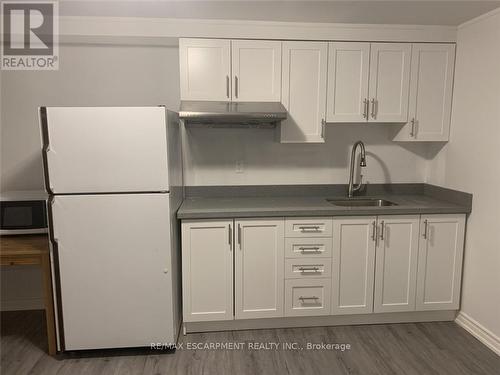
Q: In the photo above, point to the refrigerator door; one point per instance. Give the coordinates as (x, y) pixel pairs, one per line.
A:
(105, 149)
(114, 257)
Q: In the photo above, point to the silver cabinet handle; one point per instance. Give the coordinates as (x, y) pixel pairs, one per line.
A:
(323, 122)
(382, 230)
(412, 129)
(310, 270)
(227, 86)
(426, 224)
(230, 236)
(239, 235)
(236, 86)
(309, 249)
(306, 298)
(366, 104)
(373, 108)
(374, 228)
(314, 228)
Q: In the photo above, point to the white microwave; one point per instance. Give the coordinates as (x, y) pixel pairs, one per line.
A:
(23, 212)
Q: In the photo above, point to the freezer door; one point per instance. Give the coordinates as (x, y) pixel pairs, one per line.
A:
(115, 283)
(105, 149)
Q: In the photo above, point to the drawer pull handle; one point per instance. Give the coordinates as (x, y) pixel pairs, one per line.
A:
(306, 298)
(312, 249)
(310, 269)
(308, 228)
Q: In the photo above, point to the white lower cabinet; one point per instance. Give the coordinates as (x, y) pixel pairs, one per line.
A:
(308, 247)
(307, 268)
(320, 266)
(308, 227)
(259, 268)
(309, 297)
(396, 263)
(354, 241)
(440, 262)
(207, 270)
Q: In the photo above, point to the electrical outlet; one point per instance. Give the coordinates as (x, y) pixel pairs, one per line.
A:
(240, 166)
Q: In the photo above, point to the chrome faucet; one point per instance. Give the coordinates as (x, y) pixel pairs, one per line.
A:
(353, 188)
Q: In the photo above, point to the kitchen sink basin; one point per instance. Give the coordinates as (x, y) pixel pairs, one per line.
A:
(356, 202)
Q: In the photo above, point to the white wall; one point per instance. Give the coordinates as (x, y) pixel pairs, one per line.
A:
(472, 163)
(211, 156)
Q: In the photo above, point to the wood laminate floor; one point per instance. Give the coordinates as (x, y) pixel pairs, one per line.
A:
(421, 348)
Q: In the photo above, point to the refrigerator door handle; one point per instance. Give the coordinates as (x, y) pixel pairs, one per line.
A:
(50, 214)
(45, 149)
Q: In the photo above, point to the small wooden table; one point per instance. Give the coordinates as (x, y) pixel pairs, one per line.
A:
(33, 249)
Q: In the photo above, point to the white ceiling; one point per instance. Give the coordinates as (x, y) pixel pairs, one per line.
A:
(374, 12)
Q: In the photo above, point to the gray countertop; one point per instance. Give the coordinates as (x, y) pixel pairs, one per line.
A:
(232, 207)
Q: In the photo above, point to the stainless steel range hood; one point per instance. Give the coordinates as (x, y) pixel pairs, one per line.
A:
(232, 114)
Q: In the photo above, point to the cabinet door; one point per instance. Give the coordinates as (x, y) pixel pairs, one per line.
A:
(304, 91)
(353, 265)
(256, 66)
(431, 88)
(207, 270)
(259, 268)
(389, 82)
(440, 262)
(396, 263)
(205, 69)
(348, 67)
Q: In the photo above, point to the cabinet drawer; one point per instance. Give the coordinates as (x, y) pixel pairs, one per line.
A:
(308, 247)
(307, 297)
(308, 227)
(308, 268)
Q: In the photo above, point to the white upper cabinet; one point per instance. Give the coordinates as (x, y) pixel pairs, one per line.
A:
(256, 66)
(320, 82)
(225, 70)
(368, 82)
(354, 241)
(389, 82)
(431, 88)
(205, 69)
(440, 262)
(304, 91)
(259, 268)
(396, 263)
(348, 68)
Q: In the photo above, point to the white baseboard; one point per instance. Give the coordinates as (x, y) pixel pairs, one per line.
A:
(481, 333)
(22, 304)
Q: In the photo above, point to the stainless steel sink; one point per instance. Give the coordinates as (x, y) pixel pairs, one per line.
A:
(361, 202)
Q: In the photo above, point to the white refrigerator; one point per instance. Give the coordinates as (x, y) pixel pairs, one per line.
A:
(114, 177)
